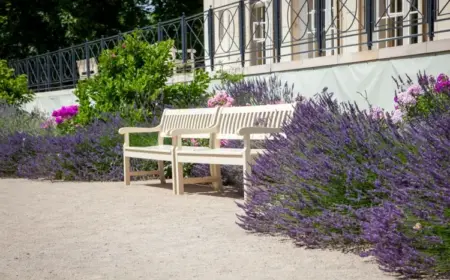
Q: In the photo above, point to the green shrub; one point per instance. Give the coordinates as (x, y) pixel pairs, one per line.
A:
(185, 95)
(131, 78)
(13, 90)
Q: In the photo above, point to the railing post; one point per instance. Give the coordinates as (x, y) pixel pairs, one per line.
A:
(183, 38)
(102, 43)
(319, 25)
(60, 67)
(119, 37)
(431, 18)
(27, 71)
(277, 30)
(74, 66)
(38, 71)
(211, 42)
(47, 68)
(369, 22)
(160, 32)
(242, 31)
(87, 56)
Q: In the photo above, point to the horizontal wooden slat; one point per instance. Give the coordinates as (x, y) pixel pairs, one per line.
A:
(200, 180)
(144, 173)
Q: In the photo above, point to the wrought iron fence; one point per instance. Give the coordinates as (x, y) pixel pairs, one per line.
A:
(258, 32)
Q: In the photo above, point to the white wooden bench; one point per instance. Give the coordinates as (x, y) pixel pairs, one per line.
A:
(234, 123)
(185, 119)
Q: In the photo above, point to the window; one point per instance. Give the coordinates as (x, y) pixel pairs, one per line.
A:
(259, 32)
(221, 26)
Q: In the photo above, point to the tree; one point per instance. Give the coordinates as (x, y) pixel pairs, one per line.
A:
(171, 9)
(13, 90)
(30, 27)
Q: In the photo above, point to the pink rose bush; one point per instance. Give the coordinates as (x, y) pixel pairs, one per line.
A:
(220, 99)
(419, 99)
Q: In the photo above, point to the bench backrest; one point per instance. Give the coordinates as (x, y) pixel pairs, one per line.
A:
(188, 119)
(231, 119)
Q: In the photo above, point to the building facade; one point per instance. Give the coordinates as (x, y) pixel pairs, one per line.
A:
(274, 31)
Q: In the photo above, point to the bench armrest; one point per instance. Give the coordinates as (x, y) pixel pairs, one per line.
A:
(125, 130)
(258, 130)
(183, 131)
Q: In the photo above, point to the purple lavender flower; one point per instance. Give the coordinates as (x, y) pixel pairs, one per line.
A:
(340, 180)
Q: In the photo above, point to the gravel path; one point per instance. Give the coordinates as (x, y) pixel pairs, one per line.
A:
(106, 231)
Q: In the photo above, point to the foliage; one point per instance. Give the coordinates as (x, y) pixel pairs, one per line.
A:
(342, 179)
(164, 10)
(130, 81)
(188, 95)
(13, 90)
(226, 77)
(14, 119)
(91, 153)
(54, 24)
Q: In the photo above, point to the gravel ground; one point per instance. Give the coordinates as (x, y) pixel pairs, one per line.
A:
(106, 231)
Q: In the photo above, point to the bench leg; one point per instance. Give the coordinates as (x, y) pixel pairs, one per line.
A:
(126, 170)
(247, 174)
(215, 172)
(179, 178)
(162, 177)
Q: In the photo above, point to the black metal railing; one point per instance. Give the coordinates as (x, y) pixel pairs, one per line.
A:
(251, 32)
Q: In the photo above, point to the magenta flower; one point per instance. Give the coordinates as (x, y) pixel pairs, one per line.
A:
(442, 84)
(65, 113)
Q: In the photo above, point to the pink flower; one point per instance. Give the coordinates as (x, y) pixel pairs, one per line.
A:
(223, 142)
(415, 90)
(48, 123)
(124, 46)
(194, 142)
(404, 98)
(221, 99)
(376, 113)
(279, 102)
(397, 116)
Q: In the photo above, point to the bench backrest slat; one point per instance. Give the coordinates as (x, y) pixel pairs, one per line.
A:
(231, 119)
(188, 119)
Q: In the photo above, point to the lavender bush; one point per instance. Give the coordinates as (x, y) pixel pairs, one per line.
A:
(259, 91)
(342, 179)
(91, 153)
